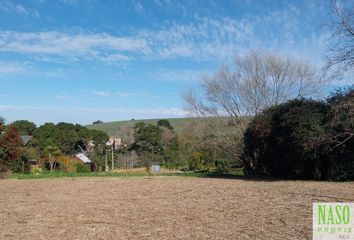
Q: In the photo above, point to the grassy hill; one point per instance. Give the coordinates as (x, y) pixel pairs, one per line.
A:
(113, 128)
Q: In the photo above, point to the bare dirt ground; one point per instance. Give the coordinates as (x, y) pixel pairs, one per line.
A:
(162, 208)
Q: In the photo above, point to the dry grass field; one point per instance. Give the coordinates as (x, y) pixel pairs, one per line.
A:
(162, 208)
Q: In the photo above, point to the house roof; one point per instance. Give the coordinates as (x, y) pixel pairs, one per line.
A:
(83, 157)
(26, 138)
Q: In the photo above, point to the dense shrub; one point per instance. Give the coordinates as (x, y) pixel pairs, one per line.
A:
(21, 164)
(340, 139)
(82, 168)
(303, 139)
(282, 141)
(67, 164)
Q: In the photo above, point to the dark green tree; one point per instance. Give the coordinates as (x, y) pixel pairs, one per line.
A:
(164, 123)
(25, 127)
(45, 135)
(147, 137)
(284, 141)
(147, 142)
(69, 138)
(171, 154)
(99, 137)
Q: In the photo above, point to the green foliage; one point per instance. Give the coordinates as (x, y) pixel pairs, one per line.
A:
(147, 138)
(225, 163)
(82, 168)
(171, 154)
(223, 166)
(304, 139)
(53, 153)
(25, 127)
(115, 128)
(98, 157)
(69, 138)
(36, 171)
(164, 123)
(195, 162)
(45, 135)
(156, 144)
(98, 137)
(21, 164)
(281, 141)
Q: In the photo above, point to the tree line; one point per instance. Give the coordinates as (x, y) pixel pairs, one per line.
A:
(47, 142)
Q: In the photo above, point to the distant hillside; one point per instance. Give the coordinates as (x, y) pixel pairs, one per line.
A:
(113, 128)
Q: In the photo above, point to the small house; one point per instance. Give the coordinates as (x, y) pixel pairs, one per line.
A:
(82, 157)
(25, 139)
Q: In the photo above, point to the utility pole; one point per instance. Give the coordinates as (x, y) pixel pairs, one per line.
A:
(112, 157)
(106, 163)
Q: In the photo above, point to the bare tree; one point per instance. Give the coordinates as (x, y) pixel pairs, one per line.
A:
(129, 160)
(167, 135)
(341, 124)
(340, 56)
(127, 134)
(260, 80)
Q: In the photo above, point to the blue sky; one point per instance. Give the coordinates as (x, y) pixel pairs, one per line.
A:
(84, 60)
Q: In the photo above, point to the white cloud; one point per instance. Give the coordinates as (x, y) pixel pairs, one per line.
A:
(119, 94)
(102, 93)
(7, 68)
(10, 7)
(204, 39)
(64, 97)
(111, 58)
(84, 115)
(135, 94)
(180, 75)
(79, 45)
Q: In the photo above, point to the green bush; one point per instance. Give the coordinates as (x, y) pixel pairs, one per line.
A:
(82, 168)
(303, 139)
(223, 166)
(195, 162)
(282, 141)
(21, 164)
